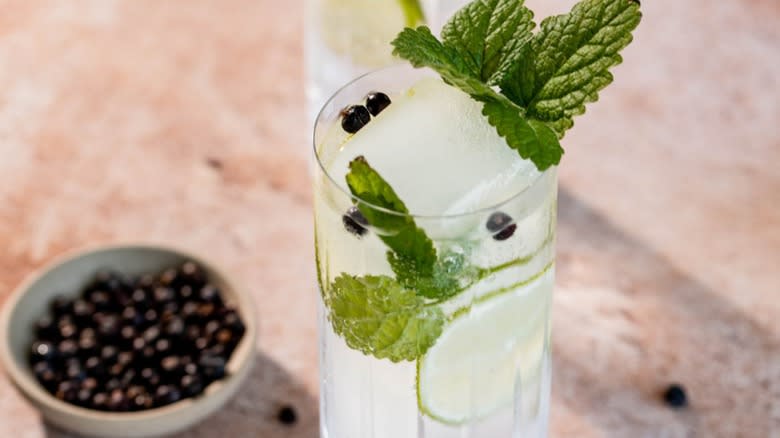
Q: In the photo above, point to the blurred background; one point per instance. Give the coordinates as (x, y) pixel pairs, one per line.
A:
(185, 123)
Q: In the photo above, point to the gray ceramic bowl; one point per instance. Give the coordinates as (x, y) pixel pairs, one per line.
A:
(69, 274)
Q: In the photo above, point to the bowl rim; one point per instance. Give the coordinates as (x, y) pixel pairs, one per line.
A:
(241, 358)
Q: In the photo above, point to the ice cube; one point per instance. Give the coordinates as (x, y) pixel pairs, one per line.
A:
(438, 152)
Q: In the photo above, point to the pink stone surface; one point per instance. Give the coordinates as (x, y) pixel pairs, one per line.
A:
(183, 122)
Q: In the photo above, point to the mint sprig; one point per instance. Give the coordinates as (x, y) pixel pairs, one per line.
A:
(411, 255)
(379, 317)
(545, 79)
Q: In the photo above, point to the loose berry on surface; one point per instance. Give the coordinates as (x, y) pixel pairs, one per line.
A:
(675, 396)
(287, 415)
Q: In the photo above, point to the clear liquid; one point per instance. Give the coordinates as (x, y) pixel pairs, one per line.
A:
(435, 149)
(362, 397)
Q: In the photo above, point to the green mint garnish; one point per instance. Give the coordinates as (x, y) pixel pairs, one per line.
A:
(411, 252)
(544, 79)
(379, 317)
(413, 13)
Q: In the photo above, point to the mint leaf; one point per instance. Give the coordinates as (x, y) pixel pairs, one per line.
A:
(567, 62)
(485, 33)
(532, 139)
(422, 49)
(545, 79)
(412, 254)
(376, 315)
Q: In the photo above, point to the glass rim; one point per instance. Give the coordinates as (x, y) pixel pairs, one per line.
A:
(356, 199)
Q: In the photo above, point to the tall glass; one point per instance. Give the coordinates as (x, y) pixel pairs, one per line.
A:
(488, 373)
(347, 38)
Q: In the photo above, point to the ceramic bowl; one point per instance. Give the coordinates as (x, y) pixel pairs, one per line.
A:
(69, 274)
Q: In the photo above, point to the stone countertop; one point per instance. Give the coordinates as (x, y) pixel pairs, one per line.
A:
(185, 124)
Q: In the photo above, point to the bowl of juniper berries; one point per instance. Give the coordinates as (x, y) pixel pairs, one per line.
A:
(127, 341)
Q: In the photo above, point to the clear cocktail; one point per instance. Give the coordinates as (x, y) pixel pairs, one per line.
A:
(468, 358)
(435, 202)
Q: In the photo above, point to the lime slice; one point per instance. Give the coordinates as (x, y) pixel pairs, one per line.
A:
(412, 12)
(363, 29)
(473, 369)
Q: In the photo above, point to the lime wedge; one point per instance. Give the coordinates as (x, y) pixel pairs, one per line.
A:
(473, 369)
(363, 29)
(413, 12)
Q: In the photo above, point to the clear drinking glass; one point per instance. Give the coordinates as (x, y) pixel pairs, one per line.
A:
(347, 38)
(488, 373)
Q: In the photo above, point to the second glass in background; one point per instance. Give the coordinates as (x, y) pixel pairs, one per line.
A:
(347, 38)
